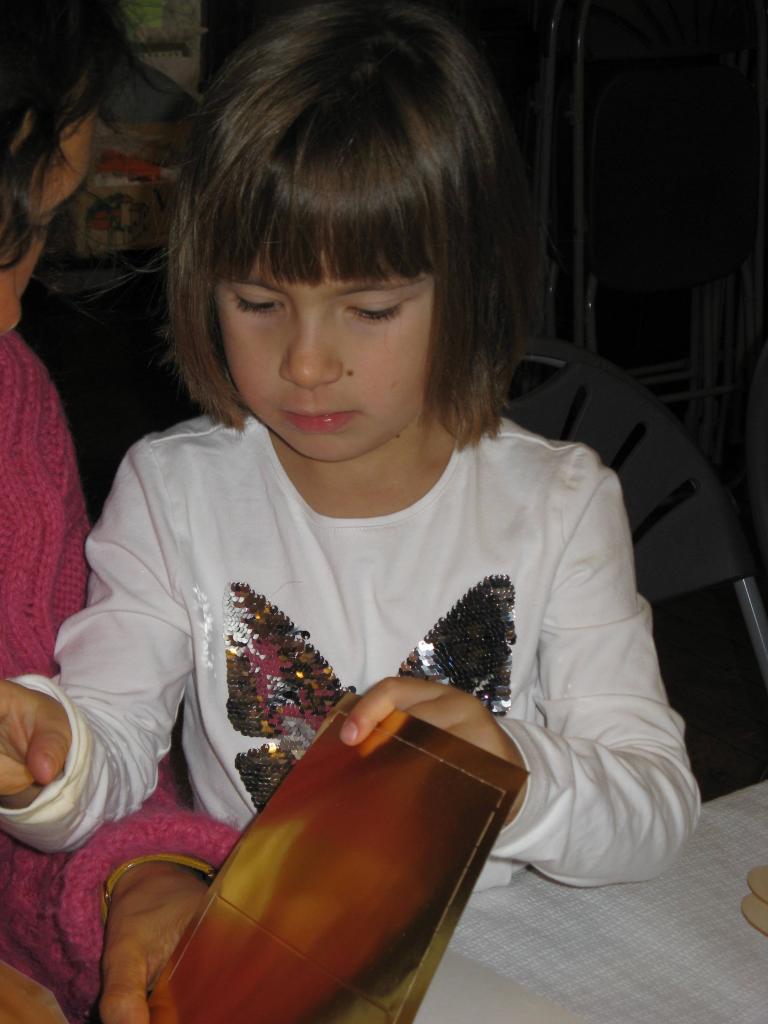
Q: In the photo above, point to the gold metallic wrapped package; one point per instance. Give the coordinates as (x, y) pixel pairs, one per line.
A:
(337, 904)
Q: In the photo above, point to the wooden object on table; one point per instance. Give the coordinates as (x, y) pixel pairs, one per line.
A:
(755, 906)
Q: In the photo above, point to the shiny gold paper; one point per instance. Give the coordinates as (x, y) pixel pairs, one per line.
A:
(336, 905)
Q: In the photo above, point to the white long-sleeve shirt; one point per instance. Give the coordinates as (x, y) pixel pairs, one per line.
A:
(213, 580)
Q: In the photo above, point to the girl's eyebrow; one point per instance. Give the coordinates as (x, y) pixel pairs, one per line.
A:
(381, 286)
(347, 288)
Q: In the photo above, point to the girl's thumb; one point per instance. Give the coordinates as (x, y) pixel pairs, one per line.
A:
(49, 744)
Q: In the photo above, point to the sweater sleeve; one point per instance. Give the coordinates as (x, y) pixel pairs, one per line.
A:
(43, 521)
(51, 927)
(125, 662)
(611, 796)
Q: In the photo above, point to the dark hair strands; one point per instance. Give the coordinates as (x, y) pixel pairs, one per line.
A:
(353, 141)
(57, 58)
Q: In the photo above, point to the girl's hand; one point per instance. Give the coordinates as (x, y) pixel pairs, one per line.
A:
(440, 705)
(34, 742)
(443, 706)
(151, 906)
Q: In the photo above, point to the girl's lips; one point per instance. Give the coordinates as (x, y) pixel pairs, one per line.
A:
(320, 423)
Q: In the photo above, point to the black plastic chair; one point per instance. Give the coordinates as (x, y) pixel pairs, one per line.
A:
(650, 176)
(686, 532)
(757, 452)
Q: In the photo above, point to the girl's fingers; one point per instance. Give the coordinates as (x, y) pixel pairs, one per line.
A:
(438, 704)
(34, 738)
(15, 778)
(49, 744)
(435, 703)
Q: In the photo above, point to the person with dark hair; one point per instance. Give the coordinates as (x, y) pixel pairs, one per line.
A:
(350, 269)
(56, 60)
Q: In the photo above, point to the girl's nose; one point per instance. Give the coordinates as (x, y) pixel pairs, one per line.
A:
(311, 360)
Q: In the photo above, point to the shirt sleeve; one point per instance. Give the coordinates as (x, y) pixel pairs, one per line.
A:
(121, 709)
(610, 795)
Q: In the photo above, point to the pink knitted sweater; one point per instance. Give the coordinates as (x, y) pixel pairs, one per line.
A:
(42, 514)
(50, 925)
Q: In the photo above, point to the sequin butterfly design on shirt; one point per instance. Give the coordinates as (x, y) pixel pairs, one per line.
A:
(470, 647)
(281, 688)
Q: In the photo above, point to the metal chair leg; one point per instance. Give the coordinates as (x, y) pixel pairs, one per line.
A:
(753, 610)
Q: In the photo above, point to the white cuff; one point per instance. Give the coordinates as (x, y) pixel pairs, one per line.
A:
(504, 847)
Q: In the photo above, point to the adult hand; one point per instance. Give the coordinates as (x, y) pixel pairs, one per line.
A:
(34, 742)
(442, 706)
(151, 906)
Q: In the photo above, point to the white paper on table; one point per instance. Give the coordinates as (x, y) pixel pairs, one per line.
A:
(463, 990)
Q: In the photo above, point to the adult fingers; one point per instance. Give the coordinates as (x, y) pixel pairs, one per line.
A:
(124, 988)
(150, 908)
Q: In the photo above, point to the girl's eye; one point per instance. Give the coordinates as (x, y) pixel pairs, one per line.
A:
(254, 307)
(378, 314)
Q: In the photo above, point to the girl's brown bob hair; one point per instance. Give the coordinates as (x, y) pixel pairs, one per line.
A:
(356, 141)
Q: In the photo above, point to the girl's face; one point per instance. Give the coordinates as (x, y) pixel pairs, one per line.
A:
(336, 371)
(61, 182)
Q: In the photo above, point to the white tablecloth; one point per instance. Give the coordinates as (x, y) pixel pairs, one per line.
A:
(674, 950)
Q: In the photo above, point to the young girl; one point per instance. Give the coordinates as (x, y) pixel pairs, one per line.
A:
(349, 273)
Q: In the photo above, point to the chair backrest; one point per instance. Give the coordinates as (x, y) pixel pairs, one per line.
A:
(650, 29)
(757, 451)
(686, 532)
(651, 165)
(671, 173)
(673, 191)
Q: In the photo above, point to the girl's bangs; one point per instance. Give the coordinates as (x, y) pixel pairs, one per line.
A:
(328, 213)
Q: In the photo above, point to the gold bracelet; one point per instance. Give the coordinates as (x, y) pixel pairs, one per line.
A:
(193, 863)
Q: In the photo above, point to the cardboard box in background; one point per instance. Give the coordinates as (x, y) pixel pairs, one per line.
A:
(125, 202)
